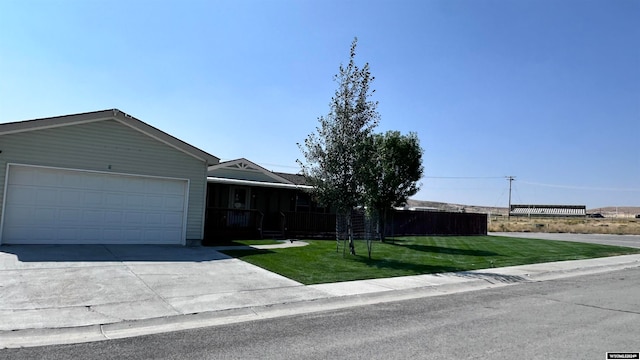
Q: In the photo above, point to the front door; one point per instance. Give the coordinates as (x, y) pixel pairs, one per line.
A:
(239, 201)
(239, 198)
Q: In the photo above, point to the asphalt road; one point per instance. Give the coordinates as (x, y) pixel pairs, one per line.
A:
(571, 318)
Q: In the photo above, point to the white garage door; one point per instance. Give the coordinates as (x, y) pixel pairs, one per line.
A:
(60, 206)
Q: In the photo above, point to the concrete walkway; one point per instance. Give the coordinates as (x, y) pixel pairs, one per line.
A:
(54, 294)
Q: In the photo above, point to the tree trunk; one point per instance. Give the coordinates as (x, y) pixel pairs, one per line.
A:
(352, 248)
(382, 223)
(337, 232)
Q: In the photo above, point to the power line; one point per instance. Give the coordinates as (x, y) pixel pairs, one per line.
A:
(278, 165)
(462, 177)
(581, 187)
(510, 178)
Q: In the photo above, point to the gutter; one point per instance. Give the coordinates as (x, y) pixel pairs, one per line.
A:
(217, 180)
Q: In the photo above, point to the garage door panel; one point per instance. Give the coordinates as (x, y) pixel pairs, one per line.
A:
(17, 232)
(46, 176)
(113, 235)
(91, 198)
(47, 205)
(155, 187)
(69, 216)
(112, 184)
(90, 234)
(21, 215)
(152, 202)
(172, 220)
(41, 233)
(70, 197)
(173, 203)
(133, 235)
(159, 236)
(63, 233)
(70, 181)
(46, 196)
(114, 200)
(92, 217)
(25, 194)
(134, 218)
(43, 217)
(113, 217)
(22, 178)
(135, 201)
(155, 219)
(172, 188)
(92, 182)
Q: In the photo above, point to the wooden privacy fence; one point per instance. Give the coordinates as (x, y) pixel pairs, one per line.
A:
(309, 225)
(235, 224)
(404, 222)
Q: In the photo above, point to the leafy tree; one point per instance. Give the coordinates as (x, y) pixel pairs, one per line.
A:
(332, 154)
(390, 176)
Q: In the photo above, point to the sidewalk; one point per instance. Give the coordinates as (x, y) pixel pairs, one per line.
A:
(70, 294)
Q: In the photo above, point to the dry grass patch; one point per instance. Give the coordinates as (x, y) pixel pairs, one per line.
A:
(618, 226)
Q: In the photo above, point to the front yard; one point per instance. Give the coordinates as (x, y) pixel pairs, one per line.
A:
(319, 262)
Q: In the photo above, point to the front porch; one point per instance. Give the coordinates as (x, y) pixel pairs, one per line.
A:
(223, 224)
(245, 201)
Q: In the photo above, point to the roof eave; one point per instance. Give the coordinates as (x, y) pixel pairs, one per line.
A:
(115, 114)
(218, 180)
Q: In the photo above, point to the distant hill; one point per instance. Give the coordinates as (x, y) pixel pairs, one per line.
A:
(609, 211)
(457, 207)
(616, 211)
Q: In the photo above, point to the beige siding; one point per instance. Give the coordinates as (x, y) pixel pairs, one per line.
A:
(111, 147)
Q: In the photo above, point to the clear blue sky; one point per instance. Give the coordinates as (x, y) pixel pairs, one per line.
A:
(544, 90)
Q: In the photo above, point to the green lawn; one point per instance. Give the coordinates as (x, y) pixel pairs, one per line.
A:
(320, 263)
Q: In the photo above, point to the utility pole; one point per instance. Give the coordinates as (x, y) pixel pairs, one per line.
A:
(510, 178)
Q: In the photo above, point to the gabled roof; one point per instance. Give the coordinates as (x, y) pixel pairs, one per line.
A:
(294, 178)
(113, 114)
(243, 169)
(244, 172)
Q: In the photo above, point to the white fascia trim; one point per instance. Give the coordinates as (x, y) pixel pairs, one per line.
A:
(217, 180)
(160, 139)
(20, 129)
(233, 165)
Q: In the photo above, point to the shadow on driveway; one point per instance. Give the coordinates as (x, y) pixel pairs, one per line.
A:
(447, 250)
(111, 253)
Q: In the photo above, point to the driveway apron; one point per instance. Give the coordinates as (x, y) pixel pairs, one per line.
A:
(45, 286)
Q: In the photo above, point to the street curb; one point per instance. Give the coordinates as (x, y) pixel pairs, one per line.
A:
(133, 328)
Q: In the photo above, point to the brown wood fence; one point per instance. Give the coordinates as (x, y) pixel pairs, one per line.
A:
(310, 225)
(403, 223)
(222, 224)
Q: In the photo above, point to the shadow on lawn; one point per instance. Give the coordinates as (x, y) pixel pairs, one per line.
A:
(446, 250)
(415, 269)
(420, 269)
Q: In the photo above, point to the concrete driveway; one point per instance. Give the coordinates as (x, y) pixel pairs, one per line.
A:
(46, 286)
